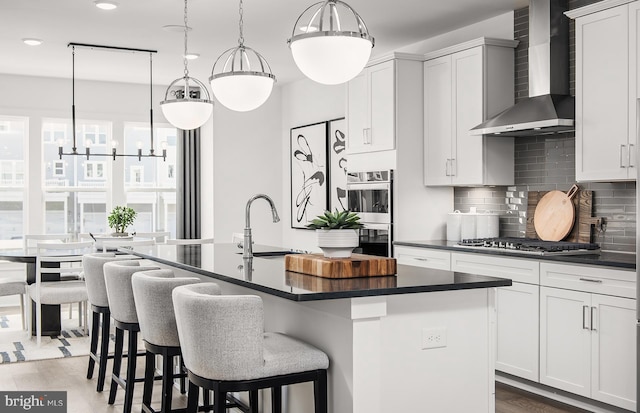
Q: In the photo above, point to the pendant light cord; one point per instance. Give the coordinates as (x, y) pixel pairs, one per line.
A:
(186, 28)
(241, 25)
(151, 150)
(73, 96)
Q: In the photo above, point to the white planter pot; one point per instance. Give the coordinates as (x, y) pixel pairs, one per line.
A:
(337, 243)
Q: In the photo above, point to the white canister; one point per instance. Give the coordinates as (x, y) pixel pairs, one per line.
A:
(487, 224)
(454, 223)
(468, 228)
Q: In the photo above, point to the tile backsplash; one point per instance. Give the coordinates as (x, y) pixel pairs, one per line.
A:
(545, 163)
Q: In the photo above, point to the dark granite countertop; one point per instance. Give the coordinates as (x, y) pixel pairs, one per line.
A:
(605, 258)
(267, 274)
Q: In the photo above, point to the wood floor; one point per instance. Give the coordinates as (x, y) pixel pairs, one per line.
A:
(69, 374)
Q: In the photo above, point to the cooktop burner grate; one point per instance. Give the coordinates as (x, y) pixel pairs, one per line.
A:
(534, 246)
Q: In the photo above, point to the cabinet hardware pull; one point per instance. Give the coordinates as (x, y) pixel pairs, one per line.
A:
(590, 280)
(584, 317)
(621, 149)
(593, 319)
(446, 168)
(630, 151)
(420, 259)
(454, 168)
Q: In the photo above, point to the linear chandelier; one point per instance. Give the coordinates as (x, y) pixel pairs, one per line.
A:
(114, 153)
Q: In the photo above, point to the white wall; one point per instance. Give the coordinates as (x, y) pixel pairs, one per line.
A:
(42, 97)
(500, 27)
(247, 154)
(304, 102)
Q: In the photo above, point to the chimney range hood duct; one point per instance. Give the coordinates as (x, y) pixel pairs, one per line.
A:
(549, 109)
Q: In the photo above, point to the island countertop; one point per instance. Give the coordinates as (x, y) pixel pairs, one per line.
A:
(267, 274)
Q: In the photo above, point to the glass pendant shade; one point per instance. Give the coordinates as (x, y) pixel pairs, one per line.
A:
(187, 106)
(330, 43)
(244, 82)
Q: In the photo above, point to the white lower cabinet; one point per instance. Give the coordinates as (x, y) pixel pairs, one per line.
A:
(516, 306)
(517, 325)
(588, 345)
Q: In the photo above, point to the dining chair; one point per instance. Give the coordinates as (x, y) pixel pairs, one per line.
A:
(110, 245)
(31, 240)
(160, 237)
(194, 241)
(63, 259)
(16, 286)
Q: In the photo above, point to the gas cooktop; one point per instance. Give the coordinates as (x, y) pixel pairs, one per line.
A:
(532, 246)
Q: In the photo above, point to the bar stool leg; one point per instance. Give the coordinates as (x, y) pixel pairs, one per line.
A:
(253, 401)
(149, 372)
(206, 399)
(276, 399)
(94, 345)
(167, 382)
(104, 349)
(320, 392)
(192, 398)
(183, 380)
(117, 363)
(219, 401)
(131, 371)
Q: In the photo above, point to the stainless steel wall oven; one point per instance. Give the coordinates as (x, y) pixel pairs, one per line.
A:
(370, 195)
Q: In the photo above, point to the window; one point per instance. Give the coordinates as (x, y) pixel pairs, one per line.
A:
(150, 184)
(13, 137)
(94, 169)
(58, 168)
(137, 175)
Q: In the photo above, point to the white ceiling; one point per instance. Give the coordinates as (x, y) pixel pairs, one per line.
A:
(138, 24)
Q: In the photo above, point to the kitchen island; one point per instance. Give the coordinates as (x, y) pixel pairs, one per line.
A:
(423, 340)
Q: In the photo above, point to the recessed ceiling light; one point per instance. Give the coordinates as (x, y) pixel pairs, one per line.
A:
(106, 4)
(175, 28)
(192, 56)
(31, 41)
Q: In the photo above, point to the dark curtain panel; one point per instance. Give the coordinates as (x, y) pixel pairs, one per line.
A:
(188, 185)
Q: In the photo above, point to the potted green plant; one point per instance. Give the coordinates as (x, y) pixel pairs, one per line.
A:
(120, 218)
(337, 232)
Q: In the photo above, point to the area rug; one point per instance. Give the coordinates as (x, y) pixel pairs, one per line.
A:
(17, 345)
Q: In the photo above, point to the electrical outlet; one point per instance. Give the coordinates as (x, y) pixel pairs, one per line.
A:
(434, 337)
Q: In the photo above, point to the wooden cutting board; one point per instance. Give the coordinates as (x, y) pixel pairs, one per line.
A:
(584, 221)
(358, 265)
(555, 214)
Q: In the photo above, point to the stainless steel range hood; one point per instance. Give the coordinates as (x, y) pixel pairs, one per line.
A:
(549, 109)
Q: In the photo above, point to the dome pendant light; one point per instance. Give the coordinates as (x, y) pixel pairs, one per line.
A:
(244, 80)
(187, 103)
(329, 47)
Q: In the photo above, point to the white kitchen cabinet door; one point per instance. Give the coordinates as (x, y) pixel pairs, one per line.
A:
(602, 96)
(358, 118)
(565, 340)
(463, 86)
(467, 150)
(613, 351)
(518, 326)
(371, 109)
(438, 121)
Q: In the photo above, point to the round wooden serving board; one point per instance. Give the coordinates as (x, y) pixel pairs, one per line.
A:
(555, 215)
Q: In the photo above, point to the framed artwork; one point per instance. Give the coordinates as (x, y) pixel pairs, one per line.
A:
(337, 165)
(309, 184)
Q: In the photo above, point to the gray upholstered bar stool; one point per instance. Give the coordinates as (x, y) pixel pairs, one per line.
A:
(117, 277)
(101, 322)
(226, 350)
(152, 294)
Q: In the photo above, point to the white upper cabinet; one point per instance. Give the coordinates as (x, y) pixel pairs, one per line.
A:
(463, 86)
(606, 90)
(371, 109)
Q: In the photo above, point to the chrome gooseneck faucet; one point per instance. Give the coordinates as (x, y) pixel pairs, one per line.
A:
(248, 247)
